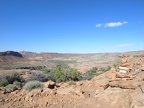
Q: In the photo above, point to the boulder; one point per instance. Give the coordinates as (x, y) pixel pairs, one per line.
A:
(50, 84)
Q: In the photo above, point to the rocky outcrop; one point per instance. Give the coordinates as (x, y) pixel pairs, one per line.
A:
(127, 84)
(10, 53)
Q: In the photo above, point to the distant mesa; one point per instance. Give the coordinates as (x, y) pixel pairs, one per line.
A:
(11, 53)
(27, 52)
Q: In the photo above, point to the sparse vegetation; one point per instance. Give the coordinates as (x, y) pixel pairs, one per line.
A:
(39, 76)
(71, 83)
(33, 85)
(90, 74)
(115, 65)
(102, 70)
(11, 87)
(94, 72)
(11, 78)
(17, 84)
(4, 83)
(63, 74)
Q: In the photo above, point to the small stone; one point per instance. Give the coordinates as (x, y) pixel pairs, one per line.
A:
(6, 100)
(46, 103)
(1, 100)
(19, 99)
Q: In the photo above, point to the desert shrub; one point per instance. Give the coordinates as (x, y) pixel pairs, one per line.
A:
(115, 65)
(71, 82)
(59, 76)
(17, 84)
(3, 77)
(63, 74)
(73, 74)
(94, 72)
(33, 85)
(90, 74)
(39, 76)
(11, 78)
(47, 71)
(104, 69)
(14, 77)
(4, 83)
(11, 87)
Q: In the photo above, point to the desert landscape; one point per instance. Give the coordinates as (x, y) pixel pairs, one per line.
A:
(71, 54)
(53, 80)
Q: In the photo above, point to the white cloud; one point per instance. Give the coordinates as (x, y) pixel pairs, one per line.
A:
(112, 24)
(98, 25)
(123, 45)
(115, 24)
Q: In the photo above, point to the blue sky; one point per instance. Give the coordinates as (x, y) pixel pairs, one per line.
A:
(72, 26)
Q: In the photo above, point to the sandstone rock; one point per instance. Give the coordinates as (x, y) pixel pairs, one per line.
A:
(78, 92)
(124, 65)
(2, 100)
(111, 75)
(122, 71)
(33, 93)
(124, 61)
(137, 104)
(128, 84)
(86, 94)
(99, 90)
(142, 69)
(46, 92)
(123, 68)
(50, 84)
(105, 86)
(124, 101)
(64, 90)
(79, 83)
(53, 92)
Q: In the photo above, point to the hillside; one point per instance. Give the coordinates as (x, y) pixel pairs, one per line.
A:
(107, 90)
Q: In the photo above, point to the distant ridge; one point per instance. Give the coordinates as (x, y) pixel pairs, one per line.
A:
(11, 53)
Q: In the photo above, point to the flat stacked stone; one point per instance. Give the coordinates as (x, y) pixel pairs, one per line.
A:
(124, 65)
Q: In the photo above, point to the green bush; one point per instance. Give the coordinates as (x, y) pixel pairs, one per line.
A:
(90, 74)
(115, 65)
(104, 69)
(74, 75)
(33, 85)
(11, 87)
(59, 76)
(63, 74)
(4, 83)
